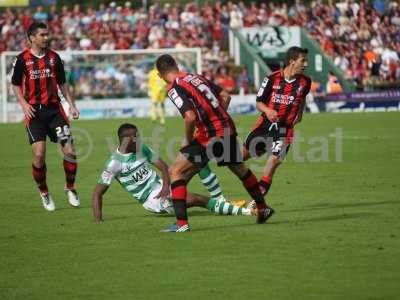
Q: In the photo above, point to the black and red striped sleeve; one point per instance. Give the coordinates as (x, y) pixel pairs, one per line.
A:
(265, 90)
(17, 71)
(60, 72)
(180, 97)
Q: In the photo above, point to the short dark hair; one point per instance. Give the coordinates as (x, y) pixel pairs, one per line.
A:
(294, 52)
(33, 28)
(166, 63)
(124, 128)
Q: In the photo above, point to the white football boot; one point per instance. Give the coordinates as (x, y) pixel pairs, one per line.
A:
(48, 202)
(73, 197)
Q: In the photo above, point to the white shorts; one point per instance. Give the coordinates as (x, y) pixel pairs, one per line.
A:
(158, 205)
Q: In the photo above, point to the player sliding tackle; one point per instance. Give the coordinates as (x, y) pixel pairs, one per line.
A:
(204, 105)
(129, 165)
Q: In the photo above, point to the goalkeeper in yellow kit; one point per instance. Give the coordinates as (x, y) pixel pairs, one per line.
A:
(157, 93)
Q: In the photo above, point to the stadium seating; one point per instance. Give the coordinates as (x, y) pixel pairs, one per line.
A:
(363, 39)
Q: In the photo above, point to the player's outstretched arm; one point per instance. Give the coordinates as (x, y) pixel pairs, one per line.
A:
(97, 201)
(163, 167)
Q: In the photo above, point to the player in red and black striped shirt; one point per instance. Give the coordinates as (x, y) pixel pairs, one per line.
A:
(37, 75)
(203, 105)
(281, 100)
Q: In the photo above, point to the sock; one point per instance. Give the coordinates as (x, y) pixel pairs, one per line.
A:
(226, 208)
(70, 167)
(178, 195)
(265, 184)
(211, 183)
(251, 185)
(39, 175)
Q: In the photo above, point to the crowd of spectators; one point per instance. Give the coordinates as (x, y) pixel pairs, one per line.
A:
(363, 38)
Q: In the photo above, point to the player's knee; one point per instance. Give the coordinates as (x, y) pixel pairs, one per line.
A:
(38, 159)
(69, 150)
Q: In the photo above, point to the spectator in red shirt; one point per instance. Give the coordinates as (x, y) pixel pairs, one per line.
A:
(218, 31)
(225, 80)
(122, 44)
(26, 19)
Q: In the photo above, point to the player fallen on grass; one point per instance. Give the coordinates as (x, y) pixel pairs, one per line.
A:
(281, 101)
(38, 73)
(203, 106)
(131, 166)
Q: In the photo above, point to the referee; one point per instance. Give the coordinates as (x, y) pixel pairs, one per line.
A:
(38, 73)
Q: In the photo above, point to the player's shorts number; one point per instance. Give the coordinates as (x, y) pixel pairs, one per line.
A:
(277, 146)
(63, 131)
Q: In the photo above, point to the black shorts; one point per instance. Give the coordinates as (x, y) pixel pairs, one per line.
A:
(274, 138)
(225, 151)
(49, 120)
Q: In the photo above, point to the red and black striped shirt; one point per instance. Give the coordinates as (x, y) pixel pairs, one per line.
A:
(194, 92)
(38, 77)
(284, 96)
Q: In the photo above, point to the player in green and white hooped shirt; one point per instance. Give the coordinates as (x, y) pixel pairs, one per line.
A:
(130, 166)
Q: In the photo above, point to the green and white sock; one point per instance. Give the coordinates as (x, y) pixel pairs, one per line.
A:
(225, 208)
(210, 181)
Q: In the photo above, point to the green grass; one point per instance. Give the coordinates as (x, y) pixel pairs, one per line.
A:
(336, 233)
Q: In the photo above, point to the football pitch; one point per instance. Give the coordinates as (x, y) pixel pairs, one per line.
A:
(335, 234)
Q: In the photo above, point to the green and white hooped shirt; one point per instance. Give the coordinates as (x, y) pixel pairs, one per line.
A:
(133, 172)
